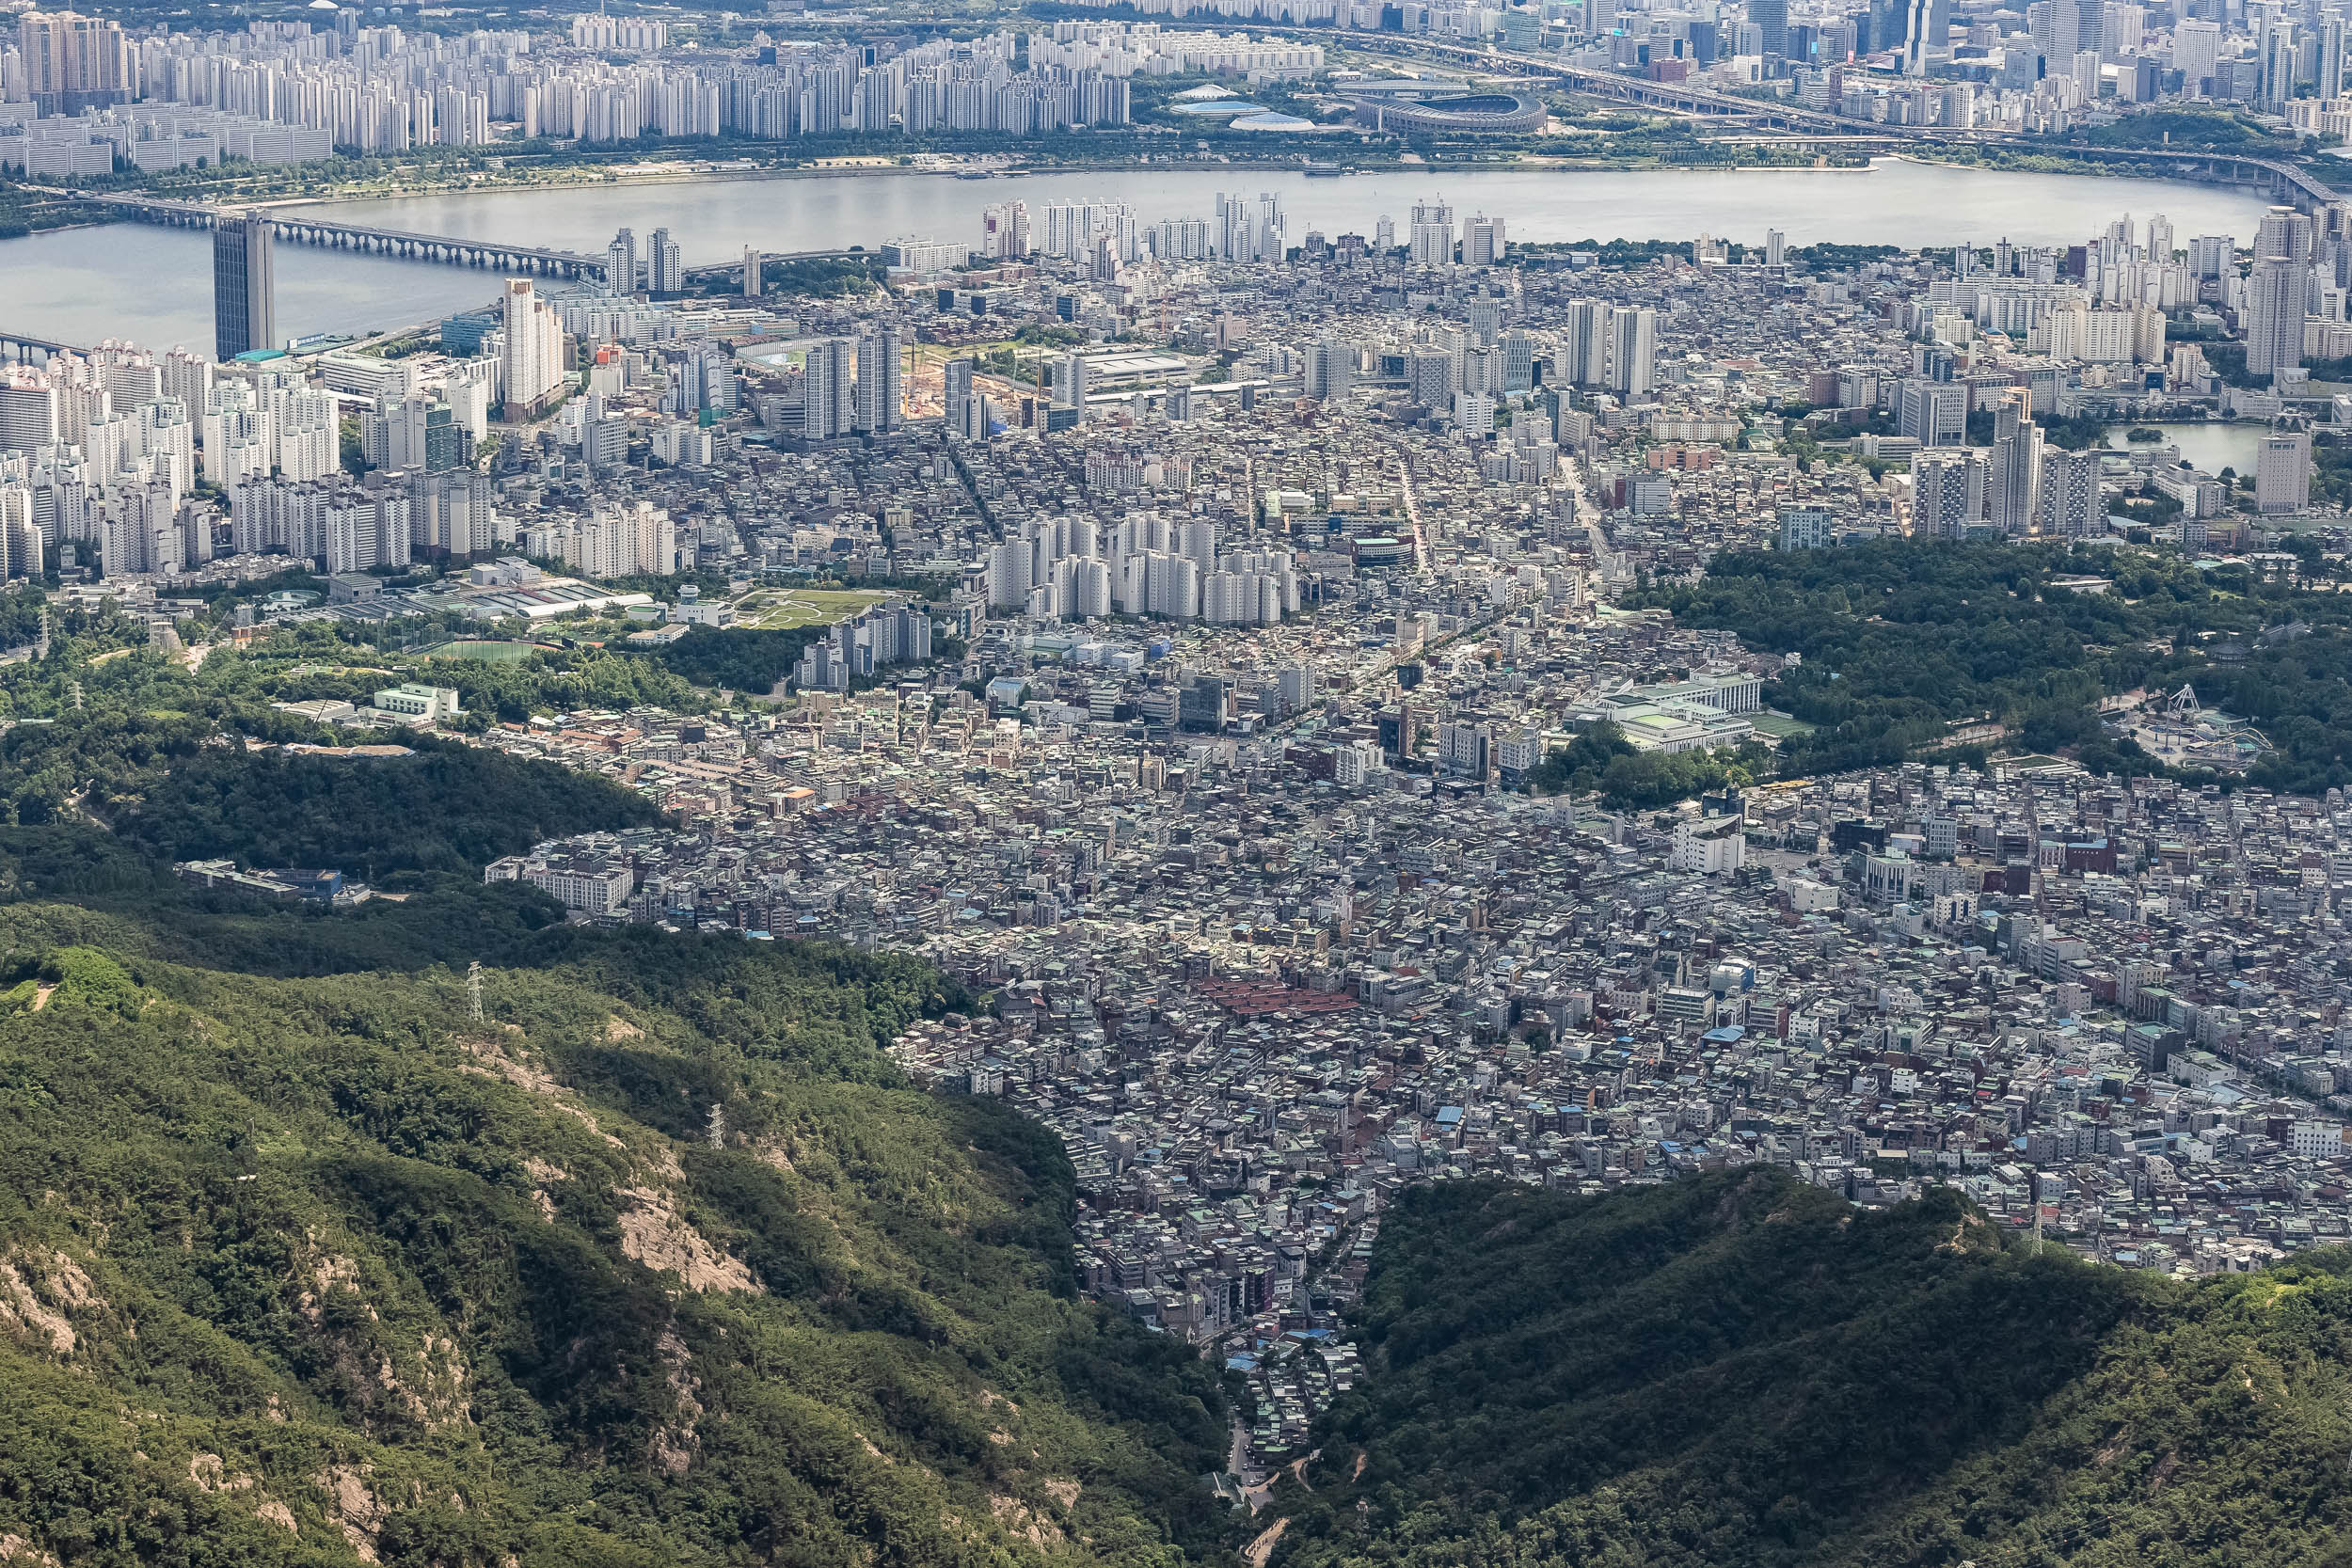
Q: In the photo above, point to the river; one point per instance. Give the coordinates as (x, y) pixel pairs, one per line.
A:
(154, 286)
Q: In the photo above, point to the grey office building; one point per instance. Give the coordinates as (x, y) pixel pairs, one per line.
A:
(244, 278)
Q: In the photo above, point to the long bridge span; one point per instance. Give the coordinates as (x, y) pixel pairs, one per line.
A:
(21, 348)
(300, 227)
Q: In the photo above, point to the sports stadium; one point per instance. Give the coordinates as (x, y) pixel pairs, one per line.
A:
(1497, 109)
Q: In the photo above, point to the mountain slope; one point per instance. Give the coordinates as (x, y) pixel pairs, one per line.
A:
(1741, 1369)
(322, 1271)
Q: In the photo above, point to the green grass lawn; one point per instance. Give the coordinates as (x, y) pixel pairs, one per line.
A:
(1780, 726)
(789, 609)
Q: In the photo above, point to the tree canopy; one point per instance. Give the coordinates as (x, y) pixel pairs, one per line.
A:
(1742, 1368)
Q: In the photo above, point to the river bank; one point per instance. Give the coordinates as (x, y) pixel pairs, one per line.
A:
(154, 284)
(1905, 202)
(597, 170)
(496, 184)
(482, 173)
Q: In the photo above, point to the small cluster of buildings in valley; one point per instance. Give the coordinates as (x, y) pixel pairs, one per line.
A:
(1254, 922)
(1259, 975)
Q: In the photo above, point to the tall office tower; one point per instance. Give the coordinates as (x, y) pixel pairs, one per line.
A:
(1486, 320)
(880, 402)
(1776, 249)
(665, 270)
(1430, 373)
(1482, 241)
(1935, 413)
(1915, 40)
(2330, 76)
(1632, 351)
(753, 284)
(1384, 234)
(73, 62)
(1883, 26)
(2196, 52)
(1069, 381)
(2070, 506)
(2090, 31)
(2274, 316)
(2011, 486)
(245, 314)
(1770, 19)
(825, 396)
(2052, 23)
(1585, 343)
(2283, 472)
(1939, 21)
(530, 356)
(2274, 59)
(1330, 369)
(1518, 362)
(620, 263)
(956, 395)
(2086, 72)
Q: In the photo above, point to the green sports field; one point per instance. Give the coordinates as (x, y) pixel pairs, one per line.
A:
(786, 610)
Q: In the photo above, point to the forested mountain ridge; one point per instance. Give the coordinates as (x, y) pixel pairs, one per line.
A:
(1741, 1369)
(323, 1270)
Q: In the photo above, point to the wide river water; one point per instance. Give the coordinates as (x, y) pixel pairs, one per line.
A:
(154, 286)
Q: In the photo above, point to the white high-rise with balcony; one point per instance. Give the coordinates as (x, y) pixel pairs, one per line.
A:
(530, 361)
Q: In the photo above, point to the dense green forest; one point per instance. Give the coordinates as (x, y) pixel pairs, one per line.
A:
(184, 786)
(658, 1264)
(1900, 640)
(449, 808)
(661, 1262)
(1602, 759)
(740, 658)
(1743, 1370)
